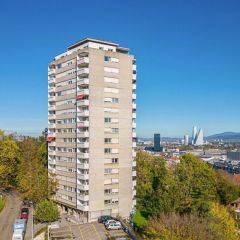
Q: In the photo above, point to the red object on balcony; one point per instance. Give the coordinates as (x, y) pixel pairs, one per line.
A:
(80, 97)
(50, 139)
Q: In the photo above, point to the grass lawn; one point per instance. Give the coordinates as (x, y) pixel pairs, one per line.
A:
(2, 203)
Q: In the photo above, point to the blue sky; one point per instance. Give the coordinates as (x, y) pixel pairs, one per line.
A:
(188, 56)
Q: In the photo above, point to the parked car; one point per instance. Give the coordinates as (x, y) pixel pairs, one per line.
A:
(103, 219)
(18, 234)
(25, 210)
(114, 226)
(110, 221)
(24, 215)
(20, 224)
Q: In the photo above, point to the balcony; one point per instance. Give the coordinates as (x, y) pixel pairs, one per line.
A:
(83, 144)
(84, 134)
(82, 155)
(83, 197)
(134, 125)
(51, 125)
(134, 96)
(83, 103)
(51, 152)
(134, 105)
(83, 165)
(83, 113)
(51, 80)
(83, 187)
(52, 99)
(134, 67)
(84, 92)
(134, 154)
(83, 124)
(53, 162)
(52, 144)
(134, 202)
(83, 208)
(134, 77)
(134, 115)
(134, 192)
(83, 61)
(134, 183)
(134, 144)
(51, 89)
(51, 117)
(83, 176)
(134, 134)
(134, 163)
(83, 81)
(134, 86)
(134, 173)
(51, 72)
(51, 107)
(83, 72)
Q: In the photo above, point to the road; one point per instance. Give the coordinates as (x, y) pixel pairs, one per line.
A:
(9, 214)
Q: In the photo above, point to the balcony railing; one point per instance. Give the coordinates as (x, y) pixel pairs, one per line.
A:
(134, 115)
(83, 197)
(134, 96)
(84, 113)
(83, 165)
(82, 103)
(134, 105)
(83, 187)
(83, 145)
(52, 99)
(83, 208)
(51, 116)
(83, 81)
(134, 77)
(51, 89)
(83, 176)
(82, 155)
(83, 72)
(83, 134)
(83, 124)
(83, 61)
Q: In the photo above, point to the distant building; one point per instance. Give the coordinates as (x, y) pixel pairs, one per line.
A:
(233, 155)
(157, 142)
(186, 139)
(197, 136)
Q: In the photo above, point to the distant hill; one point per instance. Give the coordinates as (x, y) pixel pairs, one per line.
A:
(226, 136)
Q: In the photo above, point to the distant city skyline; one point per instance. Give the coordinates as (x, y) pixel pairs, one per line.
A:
(188, 56)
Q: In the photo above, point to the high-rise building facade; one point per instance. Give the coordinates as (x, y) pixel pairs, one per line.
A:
(157, 142)
(91, 122)
(197, 137)
(186, 140)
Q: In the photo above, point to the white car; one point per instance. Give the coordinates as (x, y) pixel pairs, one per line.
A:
(110, 221)
(114, 226)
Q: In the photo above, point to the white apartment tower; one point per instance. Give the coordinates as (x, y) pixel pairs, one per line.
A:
(91, 129)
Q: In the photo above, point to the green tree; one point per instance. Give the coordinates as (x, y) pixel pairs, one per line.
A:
(46, 211)
(191, 227)
(227, 190)
(196, 182)
(33, 180)
(9, 159)
(156, 187)
(220, 220)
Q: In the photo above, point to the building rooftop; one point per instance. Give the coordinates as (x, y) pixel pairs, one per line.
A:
(85, 40)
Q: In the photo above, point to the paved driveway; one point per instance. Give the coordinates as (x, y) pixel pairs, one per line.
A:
(9, 214)
(88, 231)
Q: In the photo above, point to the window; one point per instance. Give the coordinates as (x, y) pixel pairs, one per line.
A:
(107, 150)
(107, 120)
(107, 171)
(107, 191)
(114, 160)
(107, 140)
(111, 59)
(58, 66)
(111, 70)
(111, 90)
(111, 80)
(114, 100)
(107, 202)
(114, 130)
